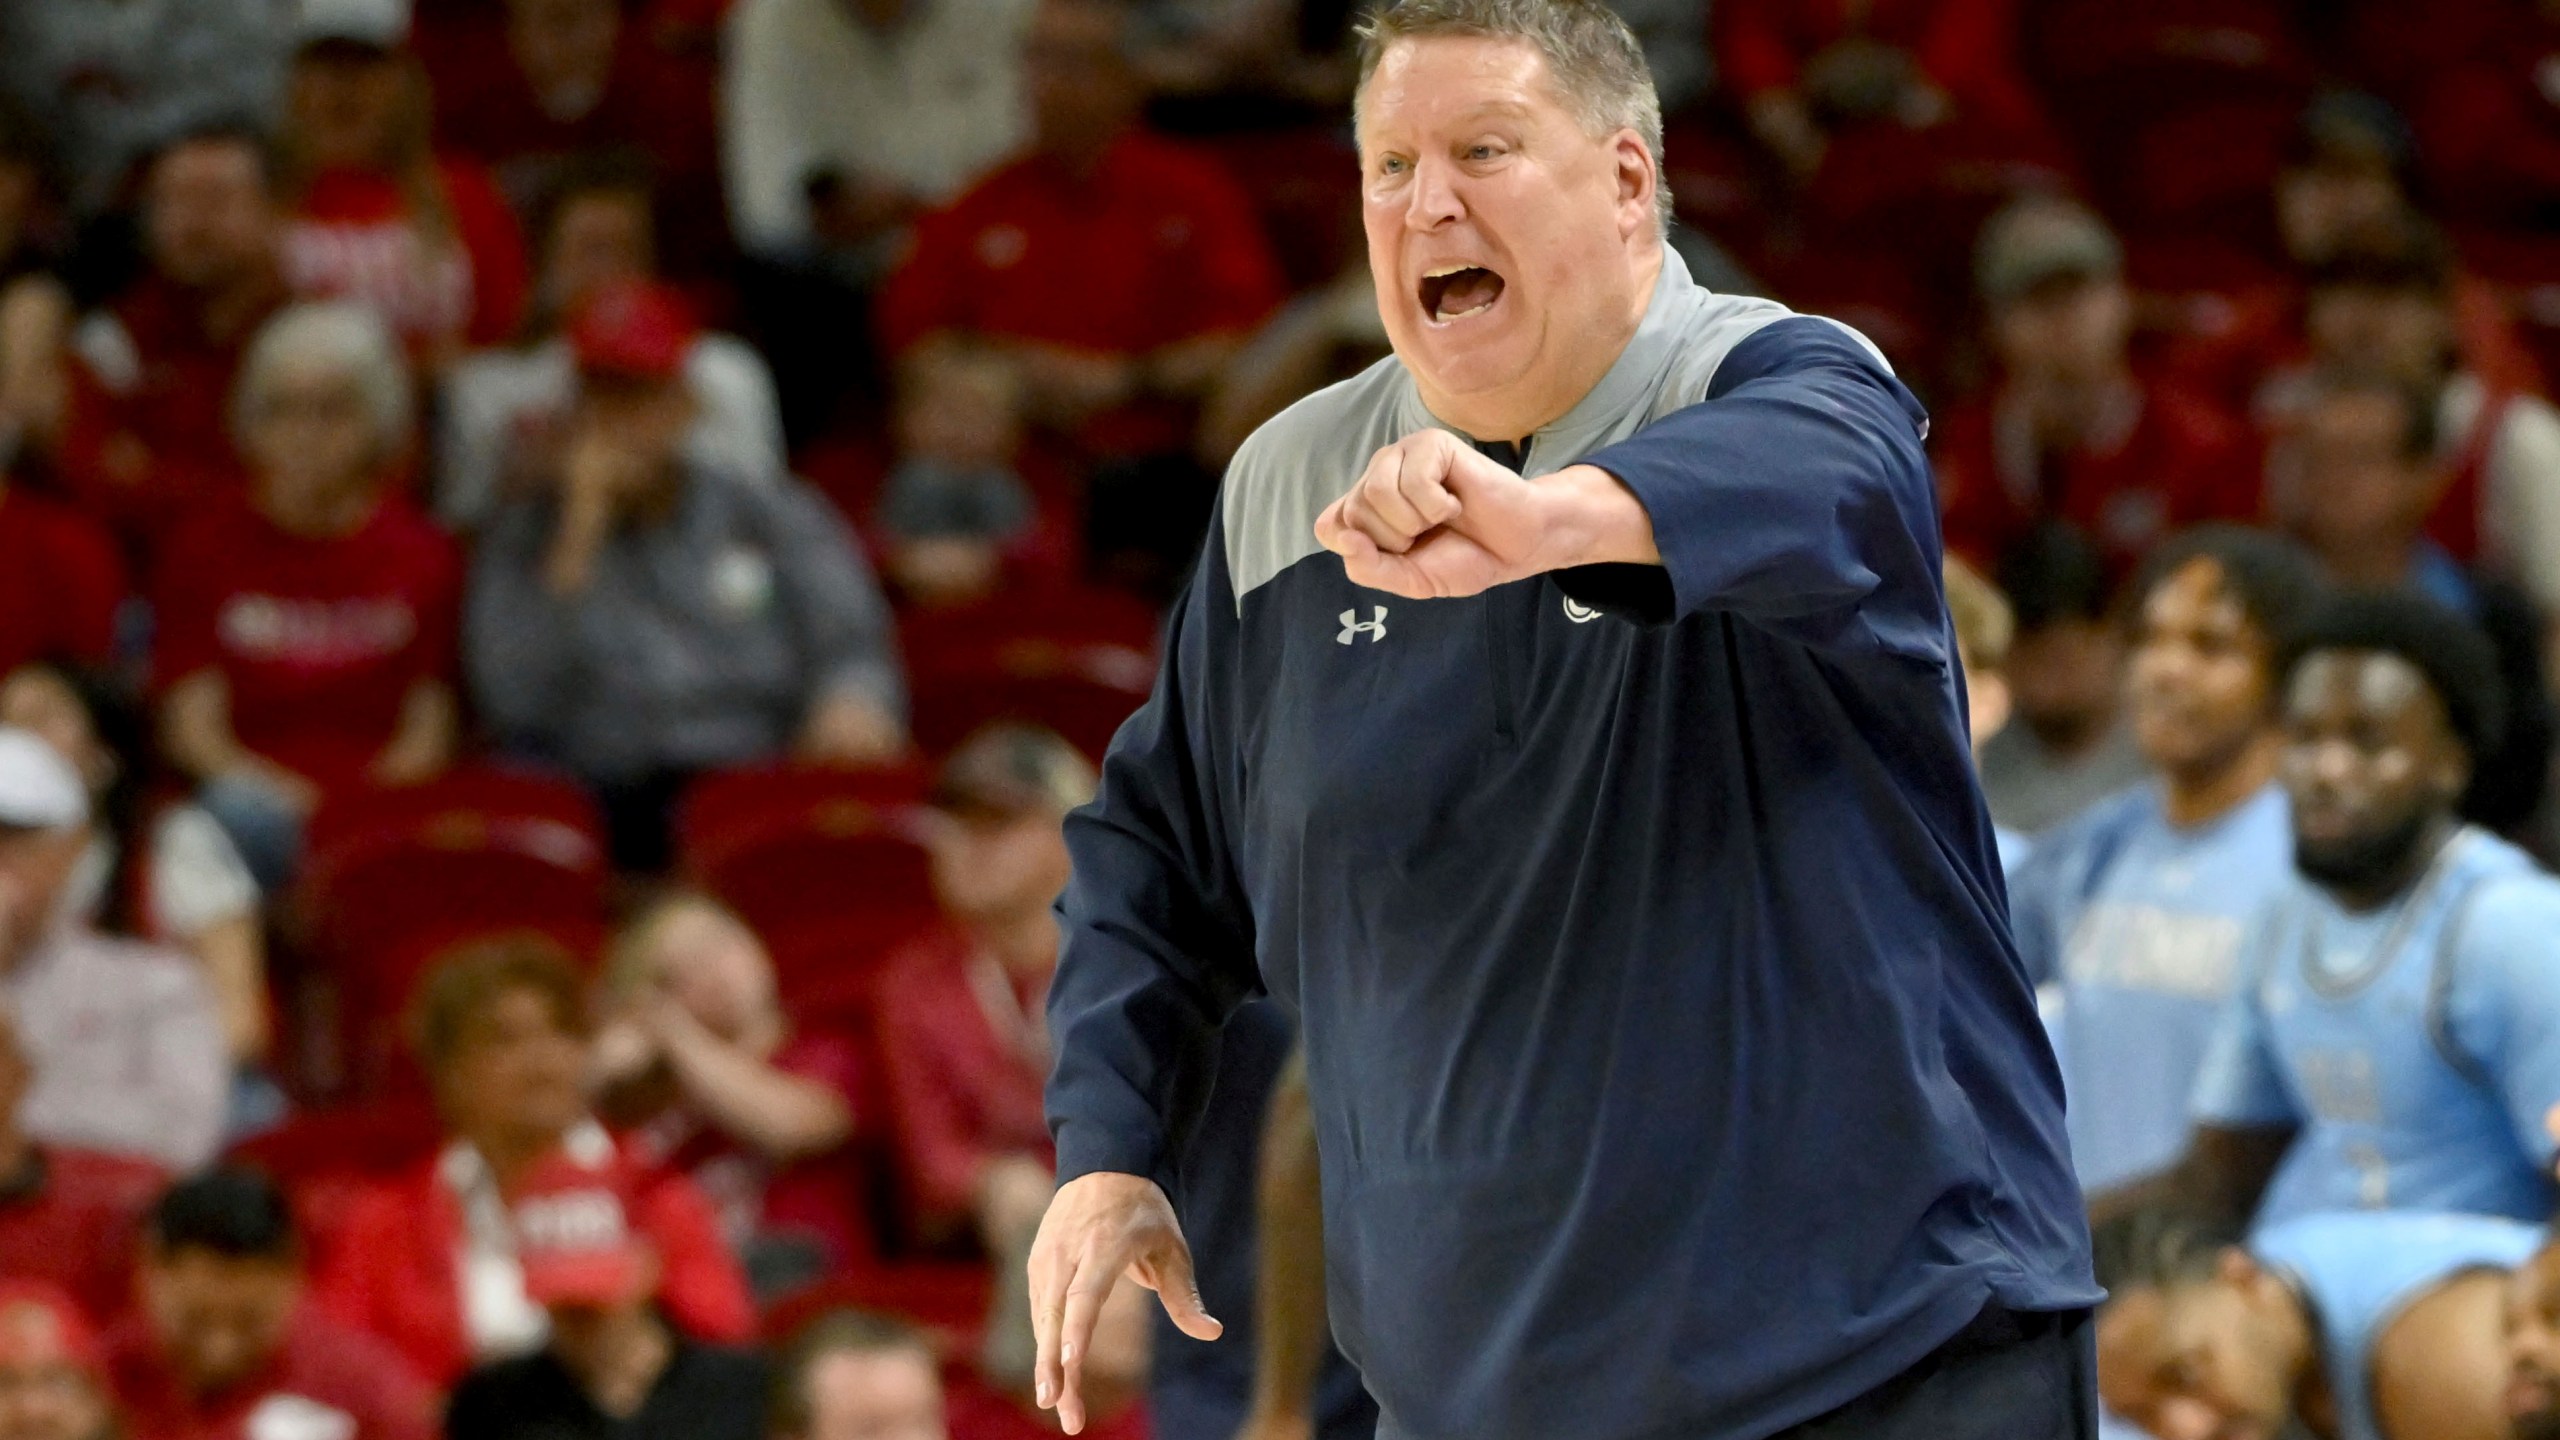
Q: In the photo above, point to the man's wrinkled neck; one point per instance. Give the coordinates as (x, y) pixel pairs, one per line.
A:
(1518, 412)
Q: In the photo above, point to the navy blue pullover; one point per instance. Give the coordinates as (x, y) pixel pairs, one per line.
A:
(1674, 1073)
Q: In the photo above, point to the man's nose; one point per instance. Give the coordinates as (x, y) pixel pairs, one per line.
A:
(1434, 199)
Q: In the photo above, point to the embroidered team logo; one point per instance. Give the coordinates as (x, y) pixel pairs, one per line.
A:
(1353, 626)
(1579, 613)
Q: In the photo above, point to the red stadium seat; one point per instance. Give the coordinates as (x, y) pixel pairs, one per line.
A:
(326, 1158)
(947, 1299)
(796, 848)
(823, 969)
(1078, 660)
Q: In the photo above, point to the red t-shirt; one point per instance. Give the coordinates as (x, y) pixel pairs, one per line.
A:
(1158, 245)
(356, 236)
(320, 640)
(823, 1198)
(60, 583)
(960, 1092)
(2177, 460)
(394, 1269)
(148, 435)
(323, 1367)
(77, 1227)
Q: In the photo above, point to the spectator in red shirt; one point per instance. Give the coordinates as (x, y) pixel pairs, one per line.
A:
(2071, 431)
(377, 214)
(225, 1346)
(964, 1046)
(67, 1216)
(307, 635)
(1117, 270)
(61, 582)
(529, 88)
(428, 1262)
(151, 373)
(706, 1076)
(53, 1383)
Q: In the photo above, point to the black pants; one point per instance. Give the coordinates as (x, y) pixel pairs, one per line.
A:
(2006, 1376)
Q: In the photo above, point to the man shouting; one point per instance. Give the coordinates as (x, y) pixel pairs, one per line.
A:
(1565, 719)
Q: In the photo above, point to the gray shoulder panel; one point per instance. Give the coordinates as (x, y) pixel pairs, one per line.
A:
(1300, 461)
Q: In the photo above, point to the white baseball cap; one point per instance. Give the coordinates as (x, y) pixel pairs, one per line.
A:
(382, 24)
(38, 788)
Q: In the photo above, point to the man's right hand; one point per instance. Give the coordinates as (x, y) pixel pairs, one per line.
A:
(1099, 1227)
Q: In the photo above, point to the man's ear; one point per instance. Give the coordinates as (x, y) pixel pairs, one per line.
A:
(1639, 180)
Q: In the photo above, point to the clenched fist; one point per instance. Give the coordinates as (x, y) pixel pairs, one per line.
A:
(1431, 517)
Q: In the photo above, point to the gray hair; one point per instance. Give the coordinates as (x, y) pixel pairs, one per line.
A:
(1594, 59)
(339, 336)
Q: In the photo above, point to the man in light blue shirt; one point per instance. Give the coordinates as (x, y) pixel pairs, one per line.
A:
(2133, 916)
(2397, 1038)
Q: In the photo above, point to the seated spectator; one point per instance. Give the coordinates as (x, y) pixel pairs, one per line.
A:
(429, 1262)
(651, 615)
(113, 83)
(307, 632)
(852, 1376)
(68, 1216)
(955, 508)
(566, 78)
(2071, 431)
(1985, 628)
(2070, 746)
(53, 1384)
(2358, 479)
(964, 1043)
(225, 1343)
(2138, 911)
(613, 1368)
(504, 410)
(1117, 272)
(34, 304)
(124, 1038)
(151, 374)
(2384, 302)
(187, 887)
(845, 119)
(377, 215)
(705, 1075)
(2374, 1326)
(61, 582)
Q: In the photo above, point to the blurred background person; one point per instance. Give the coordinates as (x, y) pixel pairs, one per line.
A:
(652, 615)
(62, 585)
(504, 410)
(613, 1367)
(177, 880)
(2374, 1326)
(224, 1343)
(1985, 628)
(2070, 745)
(376, 214)
(855, 1376)
(2071, 430)
(956, 514)
(427, 1261)
(151, 372)
(705, 1075)
(2138, 910)
(964, 1046)
(53, 1385)
(69, 1216)
(124, 1038)
(307, 631)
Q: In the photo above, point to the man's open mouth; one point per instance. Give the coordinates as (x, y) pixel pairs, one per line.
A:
(1454, 292)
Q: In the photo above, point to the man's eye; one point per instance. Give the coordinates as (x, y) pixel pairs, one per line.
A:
(1391, 166)
(1479, 152)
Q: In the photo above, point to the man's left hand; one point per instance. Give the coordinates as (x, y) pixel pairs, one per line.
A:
(1432, 518)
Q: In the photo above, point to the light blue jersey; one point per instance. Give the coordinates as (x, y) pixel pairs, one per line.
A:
(2136, 926)
(2417, 1046)
(2358, 1273)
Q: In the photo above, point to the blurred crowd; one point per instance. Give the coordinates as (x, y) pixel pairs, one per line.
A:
(562, 561)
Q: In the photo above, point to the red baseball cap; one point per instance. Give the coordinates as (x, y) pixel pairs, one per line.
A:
(574, 1238)
(40, 1325)
(637, 329)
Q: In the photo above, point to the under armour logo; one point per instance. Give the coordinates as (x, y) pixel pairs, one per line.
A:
(1375, 628)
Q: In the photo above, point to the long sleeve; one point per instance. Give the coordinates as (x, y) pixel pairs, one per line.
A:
(1158, 935)
(522, 645)
(1795, 495)
(842, 621)
(763, 133)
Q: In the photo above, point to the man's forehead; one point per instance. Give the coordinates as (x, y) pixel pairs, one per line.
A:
(2376, 680)
(1447, 79)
